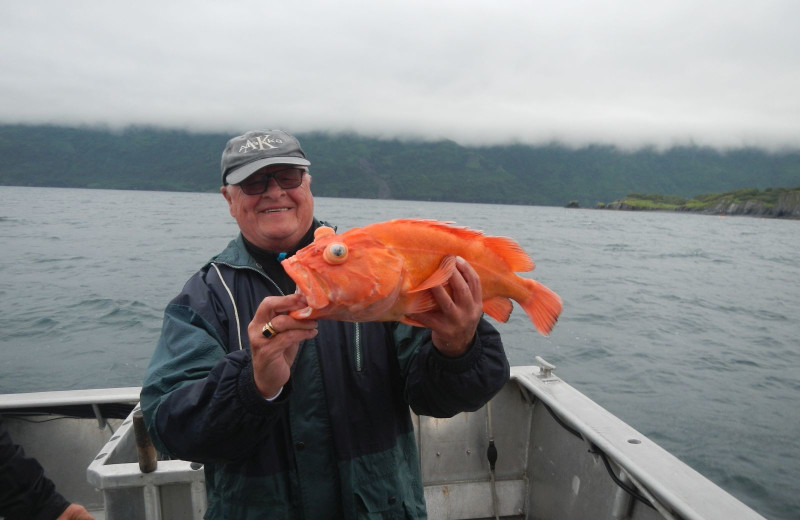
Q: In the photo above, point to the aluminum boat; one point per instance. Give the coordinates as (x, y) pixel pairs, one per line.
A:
(539, 450)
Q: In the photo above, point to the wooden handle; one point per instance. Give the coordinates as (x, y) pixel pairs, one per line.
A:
(144, 446)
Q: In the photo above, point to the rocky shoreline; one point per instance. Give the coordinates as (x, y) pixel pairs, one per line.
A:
(786, 205)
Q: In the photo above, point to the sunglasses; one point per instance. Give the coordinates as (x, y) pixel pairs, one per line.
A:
(287, 179)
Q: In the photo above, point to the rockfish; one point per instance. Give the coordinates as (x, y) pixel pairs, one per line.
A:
(384, 272)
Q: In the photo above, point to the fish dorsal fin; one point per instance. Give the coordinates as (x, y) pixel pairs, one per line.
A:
(498, 308)
(506, 248)
(512, 253)
(439, 277)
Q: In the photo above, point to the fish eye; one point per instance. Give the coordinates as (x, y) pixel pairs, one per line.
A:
(335, 253)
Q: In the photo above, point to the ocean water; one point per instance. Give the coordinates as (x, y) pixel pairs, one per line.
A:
(685, 326)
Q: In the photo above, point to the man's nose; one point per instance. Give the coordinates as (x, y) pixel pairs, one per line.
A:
(273, 188)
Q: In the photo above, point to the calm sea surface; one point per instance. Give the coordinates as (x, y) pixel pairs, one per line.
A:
(685, 326)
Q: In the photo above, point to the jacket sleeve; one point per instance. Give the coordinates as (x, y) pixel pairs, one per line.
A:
(199, 402)
(25, 491)
(441, 386)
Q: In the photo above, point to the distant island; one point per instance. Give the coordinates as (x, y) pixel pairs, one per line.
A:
(770, 202)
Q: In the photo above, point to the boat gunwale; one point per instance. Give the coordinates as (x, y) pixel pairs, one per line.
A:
(70, 397)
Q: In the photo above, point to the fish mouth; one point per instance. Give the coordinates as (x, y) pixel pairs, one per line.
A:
(302, 314)
(309, 285)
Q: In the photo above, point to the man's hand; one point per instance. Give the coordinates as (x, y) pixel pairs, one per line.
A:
(455, 321)
(273, 357)
(75, 512)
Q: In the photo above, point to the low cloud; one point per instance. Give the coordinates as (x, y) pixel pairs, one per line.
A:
(716, 73)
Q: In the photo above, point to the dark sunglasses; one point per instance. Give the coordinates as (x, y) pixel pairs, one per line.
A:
(287, 179)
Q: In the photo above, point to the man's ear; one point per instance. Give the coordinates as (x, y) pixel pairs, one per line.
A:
(225, 190)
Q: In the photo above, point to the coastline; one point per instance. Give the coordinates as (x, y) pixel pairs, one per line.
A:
(781, 203)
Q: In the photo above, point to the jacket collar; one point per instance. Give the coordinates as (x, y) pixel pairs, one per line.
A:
(236, 255)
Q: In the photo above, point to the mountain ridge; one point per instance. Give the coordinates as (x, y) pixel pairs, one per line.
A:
(350, 165)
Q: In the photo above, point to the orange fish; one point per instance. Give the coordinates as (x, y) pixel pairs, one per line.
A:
(384, 272)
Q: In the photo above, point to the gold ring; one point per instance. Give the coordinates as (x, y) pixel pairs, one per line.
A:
(268, 331)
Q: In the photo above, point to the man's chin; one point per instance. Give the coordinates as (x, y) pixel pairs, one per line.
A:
(278, 238)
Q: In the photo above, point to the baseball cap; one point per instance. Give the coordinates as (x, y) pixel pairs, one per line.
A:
(248, 153)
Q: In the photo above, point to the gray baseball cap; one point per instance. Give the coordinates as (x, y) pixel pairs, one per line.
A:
(248, 153)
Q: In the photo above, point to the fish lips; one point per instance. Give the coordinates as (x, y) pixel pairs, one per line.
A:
(309, 285)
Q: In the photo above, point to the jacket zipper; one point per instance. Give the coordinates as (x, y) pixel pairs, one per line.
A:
(357, 353)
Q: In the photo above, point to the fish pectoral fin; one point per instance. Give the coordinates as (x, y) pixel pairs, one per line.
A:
(440, 276)
(420, 302)
(417, 304)
(498, 308)
(409, 321)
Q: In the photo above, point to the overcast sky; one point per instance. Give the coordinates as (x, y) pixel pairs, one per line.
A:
(724, 73)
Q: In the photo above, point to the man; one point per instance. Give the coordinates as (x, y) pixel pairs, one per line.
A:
(301, 418)
(25, 491)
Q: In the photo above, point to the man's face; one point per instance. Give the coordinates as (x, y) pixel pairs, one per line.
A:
(277, 219)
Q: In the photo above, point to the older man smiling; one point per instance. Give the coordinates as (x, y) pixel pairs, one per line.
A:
(302, 418)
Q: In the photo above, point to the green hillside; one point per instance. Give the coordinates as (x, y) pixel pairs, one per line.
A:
(773, 202)
(347, 165)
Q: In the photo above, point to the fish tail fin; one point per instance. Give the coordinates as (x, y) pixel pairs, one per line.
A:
(542, 306)
(498, 308)
(511, 252)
